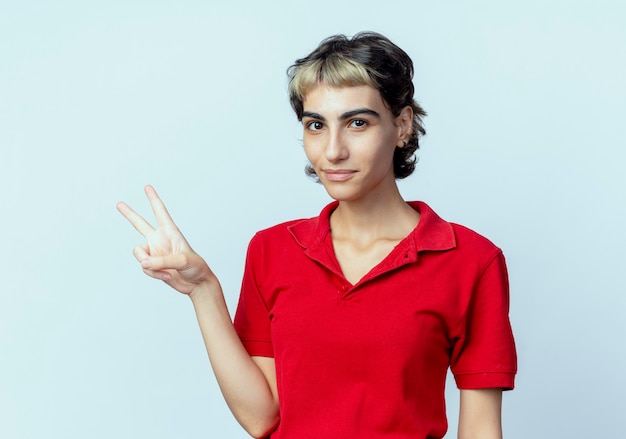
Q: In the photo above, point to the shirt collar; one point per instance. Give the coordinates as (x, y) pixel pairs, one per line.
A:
(432, 232)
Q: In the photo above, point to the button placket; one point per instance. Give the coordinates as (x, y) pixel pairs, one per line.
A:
(342, 289)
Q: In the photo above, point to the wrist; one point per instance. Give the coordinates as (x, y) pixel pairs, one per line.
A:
(206, 289)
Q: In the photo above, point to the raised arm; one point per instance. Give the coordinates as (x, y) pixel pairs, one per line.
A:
(248, 384)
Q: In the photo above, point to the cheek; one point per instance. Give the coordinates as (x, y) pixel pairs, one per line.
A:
(385, 151)
(383, 158)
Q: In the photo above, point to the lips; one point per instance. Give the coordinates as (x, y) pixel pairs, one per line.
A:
(338, 174)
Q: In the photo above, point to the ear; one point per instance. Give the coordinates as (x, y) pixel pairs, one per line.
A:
(405, 126)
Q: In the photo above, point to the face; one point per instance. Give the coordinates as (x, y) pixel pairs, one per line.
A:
(349, 138)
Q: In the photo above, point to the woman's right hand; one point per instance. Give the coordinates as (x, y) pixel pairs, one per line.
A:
(248, 385)
(166, 255)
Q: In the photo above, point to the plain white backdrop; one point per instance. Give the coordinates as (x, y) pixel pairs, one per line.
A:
(525, 144)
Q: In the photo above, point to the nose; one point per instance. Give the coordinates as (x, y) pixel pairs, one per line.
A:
(336, 149)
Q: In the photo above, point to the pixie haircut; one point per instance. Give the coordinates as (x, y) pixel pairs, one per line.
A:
(368, 58)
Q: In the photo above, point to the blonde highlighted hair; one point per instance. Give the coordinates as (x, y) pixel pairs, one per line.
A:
(334, 71)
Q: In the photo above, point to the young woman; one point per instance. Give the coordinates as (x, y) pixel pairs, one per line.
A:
(348, 322)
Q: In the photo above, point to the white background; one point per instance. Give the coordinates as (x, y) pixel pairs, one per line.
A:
(525, 144)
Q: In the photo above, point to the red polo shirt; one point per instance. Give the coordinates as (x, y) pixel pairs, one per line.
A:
(370, 360)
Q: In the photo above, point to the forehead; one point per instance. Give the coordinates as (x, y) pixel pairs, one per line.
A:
(326, 98)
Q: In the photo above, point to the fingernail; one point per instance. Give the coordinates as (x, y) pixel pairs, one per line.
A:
(167, 276)
(146, 263)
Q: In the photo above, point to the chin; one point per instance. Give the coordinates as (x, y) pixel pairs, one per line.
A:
(342, 195)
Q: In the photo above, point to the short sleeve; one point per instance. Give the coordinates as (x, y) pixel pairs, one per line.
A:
(484, 356)
(252, 320)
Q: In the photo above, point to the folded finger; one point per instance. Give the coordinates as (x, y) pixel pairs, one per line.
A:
(162, 275)
(140, 252)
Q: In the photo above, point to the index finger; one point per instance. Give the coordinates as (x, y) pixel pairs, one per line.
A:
(158, 207)
(140, 224)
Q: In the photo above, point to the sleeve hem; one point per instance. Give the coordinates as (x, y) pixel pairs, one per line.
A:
(487, 380)
(258, 348)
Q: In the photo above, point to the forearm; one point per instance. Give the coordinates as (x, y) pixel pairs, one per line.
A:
(245, 388)
(480, 414)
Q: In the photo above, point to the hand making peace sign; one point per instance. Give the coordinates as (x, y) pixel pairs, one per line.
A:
(166, 255)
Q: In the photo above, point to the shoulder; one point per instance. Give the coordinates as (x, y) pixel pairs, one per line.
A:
(436, 233)
(468, 239)
(287, 234)
(475, 251)
(276, 233)
(303, 232)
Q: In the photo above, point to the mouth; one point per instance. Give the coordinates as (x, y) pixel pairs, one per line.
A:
(338, 174)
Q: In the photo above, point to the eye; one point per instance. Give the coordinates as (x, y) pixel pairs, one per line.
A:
(358, 123)
(314, 125)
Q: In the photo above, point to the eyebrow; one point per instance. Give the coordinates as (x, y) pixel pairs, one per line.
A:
(344, 116)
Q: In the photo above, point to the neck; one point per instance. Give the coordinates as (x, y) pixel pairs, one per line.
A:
(378, 216)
